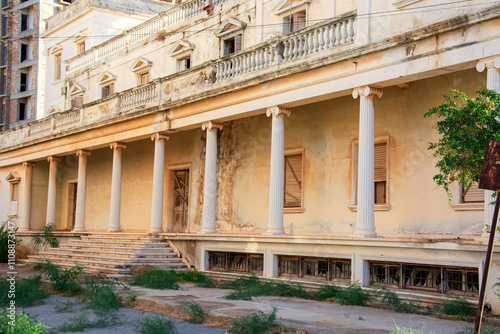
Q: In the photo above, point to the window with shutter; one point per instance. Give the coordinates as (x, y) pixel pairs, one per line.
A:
(293, 181)
(380, 172)
(108, 90)
(472, 194)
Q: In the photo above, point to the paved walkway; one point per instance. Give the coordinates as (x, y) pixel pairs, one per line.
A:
(319, 317)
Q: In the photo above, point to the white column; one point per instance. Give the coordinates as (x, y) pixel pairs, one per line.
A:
(492, 82)
(210, 183)
(81, 191)
(51, 197)
(277, 180)
(116, 187)
(158, 179)
(25, 221)
(366, 165)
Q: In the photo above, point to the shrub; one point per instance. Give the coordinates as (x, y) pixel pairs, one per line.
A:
(255, 323)
(63, 280)
(291, 289)
(326, 292)
(156, 325)
(392, 300)
(398, 330)
(101, 297)
(156, 279)
(194, 276)
(196, 313)
(353, 295)
(45, 236)
(4, 242)
(82, 321)
(28, 291)
(458, 307)
(23, 324)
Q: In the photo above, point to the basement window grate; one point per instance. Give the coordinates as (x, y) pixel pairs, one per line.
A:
(236, 262)
(314, 269)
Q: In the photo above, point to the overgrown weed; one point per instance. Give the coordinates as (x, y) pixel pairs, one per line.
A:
(156, 325)
(63, 280)
(458, 307)
(255, 323)
(156, 279)
(24, 324)
(28, 291)
(195, 312)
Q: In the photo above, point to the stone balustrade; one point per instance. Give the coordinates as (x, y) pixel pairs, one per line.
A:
(159, 24)
(308, 42)
(317, 38)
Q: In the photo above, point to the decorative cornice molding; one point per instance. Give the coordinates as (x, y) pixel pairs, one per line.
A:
(158, 136)
(53, 158)
(82, 152)
(276, 111)
(367, 91)
(484, 64)
(211, 125)
(117, 145)
(28, 164)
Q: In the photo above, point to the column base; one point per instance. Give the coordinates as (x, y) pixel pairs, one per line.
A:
(77, 230)
(208, 231)
(366, 232)
(114, 229)
(156, 230)
(274, 231)
(23, 230)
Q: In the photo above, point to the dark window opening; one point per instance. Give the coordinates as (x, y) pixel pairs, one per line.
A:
(23, 82)
(76, 101)
(21, 115)
(4, 25)
(3, 55)
(232, 45)
(24, 52)
(236, 262)
(3, 79)
(315, 269)
(24, 22)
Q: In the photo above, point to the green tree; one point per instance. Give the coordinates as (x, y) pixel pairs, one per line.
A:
(465, 125)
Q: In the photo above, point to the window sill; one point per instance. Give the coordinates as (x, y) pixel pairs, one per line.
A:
(293, 210)
(468, 207)
(378, 207)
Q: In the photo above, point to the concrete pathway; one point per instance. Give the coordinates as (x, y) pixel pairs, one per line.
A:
(318, 317)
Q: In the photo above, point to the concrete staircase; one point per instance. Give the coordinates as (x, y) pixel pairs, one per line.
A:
(112, 254)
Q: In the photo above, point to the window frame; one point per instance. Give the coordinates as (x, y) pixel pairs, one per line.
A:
(354, 182)
(298, 209)
(283, 10)
(458, 205)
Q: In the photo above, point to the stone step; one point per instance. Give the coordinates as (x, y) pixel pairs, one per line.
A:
(125, 259)
(87, 269)
(164, 252)
(104, 248)
(111, 264)
(138, 238)
(121, 243)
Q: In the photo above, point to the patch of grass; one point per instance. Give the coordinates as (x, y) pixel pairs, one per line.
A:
(398, 330)
(326, 292)
(361, 318)
(255, 323)
(200, 279)
(239, 295)
(207, 283)
(101, 297)
(64, 307)
(458, 307)
(156, 279)
(45, 236)
(82, 322)
(391, 300)
(196, 313)
(247, 287)
(353, 295)
(23, 324)
(290, 289)
(156, 325)
(484, 330)
(63, 280)
(28, 291)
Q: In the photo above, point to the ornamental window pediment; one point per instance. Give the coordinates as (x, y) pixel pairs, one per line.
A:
(285, 6)
(76, 89)
(180, 48)
(229, 26)
(107, 78)
(141, 65)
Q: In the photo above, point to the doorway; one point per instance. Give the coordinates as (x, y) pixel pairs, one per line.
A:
(180, 200)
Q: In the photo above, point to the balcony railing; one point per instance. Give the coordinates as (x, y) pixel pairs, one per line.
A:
(153, 27)
(320, 37)
(313, 41)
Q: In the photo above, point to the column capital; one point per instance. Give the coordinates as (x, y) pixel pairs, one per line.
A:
(367, 91)
(117, 145)
(488, 63)
(28, 164)
(82, 152)
(277, 110)
(158, 136)
(211, 125)
(53, 158)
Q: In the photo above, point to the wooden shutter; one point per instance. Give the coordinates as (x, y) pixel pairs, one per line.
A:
(237, 43)
(104, 91)
(473, 194)
(298, 21)
(380, 162)
(293, 180)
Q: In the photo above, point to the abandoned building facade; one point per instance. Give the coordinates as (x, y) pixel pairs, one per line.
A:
(280, 137)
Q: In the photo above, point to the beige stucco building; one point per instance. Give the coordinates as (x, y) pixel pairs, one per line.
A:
(281, 137)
